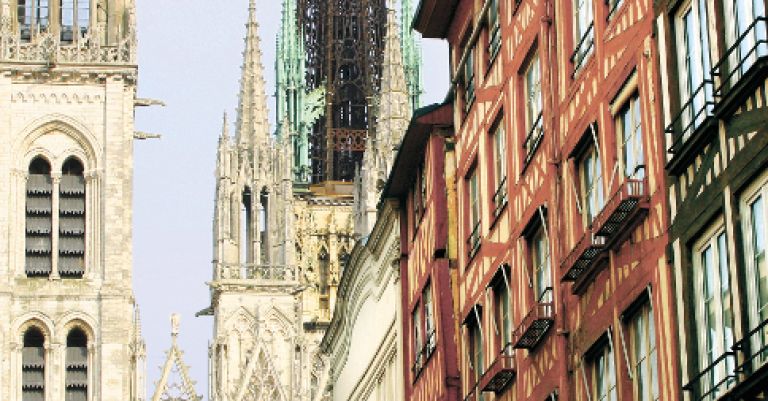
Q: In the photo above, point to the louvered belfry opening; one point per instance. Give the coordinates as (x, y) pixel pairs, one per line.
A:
(76, 379)
(33, 366)
(72, 220)
(38, 219)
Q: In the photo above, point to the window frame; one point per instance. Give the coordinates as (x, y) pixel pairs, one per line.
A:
(494, 30)
(86, 369)
(602, 363)
(756, 269)
(43, 349)
(502, 310)
(591, 207)
(541, 270)
(694, 66)
(533, 111)
(583, 33)
(708, 353)
(643, 352)
(499, 166)
(632, 107)
(474, 211)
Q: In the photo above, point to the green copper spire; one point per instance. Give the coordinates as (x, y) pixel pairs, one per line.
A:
(295, 106)
(411, 45)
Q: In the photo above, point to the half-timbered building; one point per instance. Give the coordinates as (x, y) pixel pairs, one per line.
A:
(421, 182)
(563, 290)
(714, 55)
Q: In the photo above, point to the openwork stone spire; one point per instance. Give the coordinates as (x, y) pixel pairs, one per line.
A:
(252, 118)
(393, 116)
(175, 383)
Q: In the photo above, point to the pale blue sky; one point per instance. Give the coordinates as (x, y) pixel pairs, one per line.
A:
(189, 57)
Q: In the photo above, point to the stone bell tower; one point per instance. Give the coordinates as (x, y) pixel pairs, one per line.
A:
(69, 327)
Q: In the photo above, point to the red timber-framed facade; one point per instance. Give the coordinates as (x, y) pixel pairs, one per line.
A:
(563, 289)
(715, 54)
(421, 180)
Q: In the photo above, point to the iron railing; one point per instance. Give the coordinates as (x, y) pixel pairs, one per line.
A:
(501, 371)
(729, 70)
(692, 115)
(473, 242)
(620, 209)
(583, 48)
(533, 138)
(500, 198)
(583, 256)
(536, 323)
(733, 367)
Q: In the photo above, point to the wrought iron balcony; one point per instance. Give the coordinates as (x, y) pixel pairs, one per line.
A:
(581, 262)
(694, 117)
(749, 50)
(251, 271)
(739, 373)
(501, 372)
(622, 211)
(536, 323)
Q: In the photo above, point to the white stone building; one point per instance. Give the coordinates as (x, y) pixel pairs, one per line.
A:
(68, 322)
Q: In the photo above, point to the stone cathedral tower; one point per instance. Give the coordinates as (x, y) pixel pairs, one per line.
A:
(281, 240)
(68, 323)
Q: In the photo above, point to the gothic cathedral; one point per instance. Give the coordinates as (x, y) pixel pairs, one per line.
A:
(290, 205)
(68, 321)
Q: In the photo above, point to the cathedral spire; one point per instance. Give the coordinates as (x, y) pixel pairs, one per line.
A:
(393, 113)
(252, 120)
(411, 54)
(175, 382)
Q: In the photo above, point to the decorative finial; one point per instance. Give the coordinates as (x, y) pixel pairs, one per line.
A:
(175, 321)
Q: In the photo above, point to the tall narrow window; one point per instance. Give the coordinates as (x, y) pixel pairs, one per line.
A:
(33, 366)
(643, 354)
(503, 316)
(245, 225)
(83, 16)
(756, 232)
(533, 107)
(714, 311)
(72, 219)
(418, 342)
(474, 214)
(494, 29)
(476, 350)
(591, 184)
(693, 65)
(542, 271)
(39, 219)
(67, 15)
(583, 32)
(604, 375)
(76, 377)
(630, 132)
(469, 79)
(499, 167)
(32, 15)
(429, 318)
(745, 35)
(264, 227)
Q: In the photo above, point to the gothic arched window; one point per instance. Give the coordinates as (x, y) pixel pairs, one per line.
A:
(72, 219)
(33, 365)
(76, 377)
(38, 218)
(75, 18)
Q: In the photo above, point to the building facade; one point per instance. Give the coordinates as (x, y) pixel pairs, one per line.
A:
(69, 327)
(421, 183)
(563, 288)
(714, 57)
